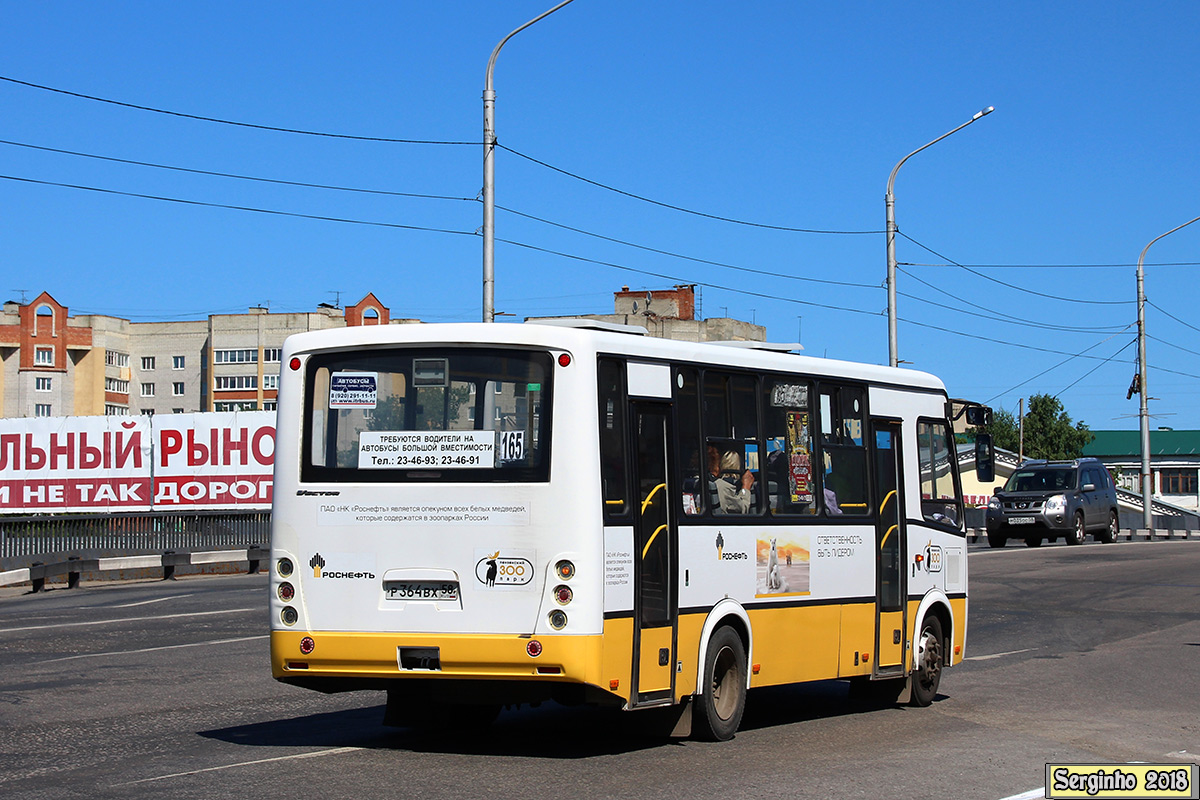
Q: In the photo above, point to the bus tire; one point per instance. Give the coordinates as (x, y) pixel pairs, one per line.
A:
(723, 699)
(929, 661)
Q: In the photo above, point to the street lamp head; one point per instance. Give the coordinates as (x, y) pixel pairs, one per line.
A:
(983, 113)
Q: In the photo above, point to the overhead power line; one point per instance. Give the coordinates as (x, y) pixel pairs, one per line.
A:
(1172, 316)
(1013, 286)
(1071, 357)
(1052, 266)
(236, 123)
(681, 209)
(674, 278)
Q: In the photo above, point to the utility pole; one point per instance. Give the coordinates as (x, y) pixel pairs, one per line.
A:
(1021, 431)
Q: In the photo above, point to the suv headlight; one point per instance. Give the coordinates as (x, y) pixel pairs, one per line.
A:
(1057, 503)
(994, 503)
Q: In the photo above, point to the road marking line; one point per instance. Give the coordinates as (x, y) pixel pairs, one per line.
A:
(333, 752)
(127, 619)
(999, 655)
(150, 649)
(143, 602)
(1030, 795)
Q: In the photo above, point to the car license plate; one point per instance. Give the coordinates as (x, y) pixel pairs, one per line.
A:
(1020, 520)
(421, 590)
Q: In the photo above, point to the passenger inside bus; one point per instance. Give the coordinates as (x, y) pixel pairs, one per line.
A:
(729, 496)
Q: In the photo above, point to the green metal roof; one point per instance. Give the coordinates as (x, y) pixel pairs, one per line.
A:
(1129, 443)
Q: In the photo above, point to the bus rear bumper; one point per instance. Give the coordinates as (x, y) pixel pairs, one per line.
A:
(415, 656)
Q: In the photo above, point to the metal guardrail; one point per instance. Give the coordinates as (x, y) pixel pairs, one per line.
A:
(27, 537)
(74, 568)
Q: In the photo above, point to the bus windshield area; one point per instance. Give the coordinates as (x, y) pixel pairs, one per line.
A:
(469, 414)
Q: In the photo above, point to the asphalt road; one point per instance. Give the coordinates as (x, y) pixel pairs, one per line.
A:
(1077, 654)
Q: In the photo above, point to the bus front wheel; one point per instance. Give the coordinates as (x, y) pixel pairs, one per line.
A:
(723, 698)
(930, 659)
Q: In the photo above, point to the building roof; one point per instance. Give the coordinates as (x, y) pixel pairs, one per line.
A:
(1129, 443)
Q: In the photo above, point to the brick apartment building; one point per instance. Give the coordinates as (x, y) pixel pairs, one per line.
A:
(56, 365)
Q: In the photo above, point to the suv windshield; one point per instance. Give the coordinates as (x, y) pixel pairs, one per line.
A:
(1041, 480)
(395, 414)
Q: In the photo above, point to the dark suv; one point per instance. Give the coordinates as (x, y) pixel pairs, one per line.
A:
(1047, 499)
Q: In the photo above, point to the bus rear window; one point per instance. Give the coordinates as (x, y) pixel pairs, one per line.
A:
(473, 415)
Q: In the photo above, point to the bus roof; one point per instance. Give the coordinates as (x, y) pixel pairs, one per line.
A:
(580, 339)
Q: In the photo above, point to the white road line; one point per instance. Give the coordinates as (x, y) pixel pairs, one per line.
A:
(127, 619)
(999, 655)
(150, 649)
(143, 602)
(1030, 795)
(333, 752)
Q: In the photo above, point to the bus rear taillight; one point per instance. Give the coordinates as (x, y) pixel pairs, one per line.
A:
(564, 360)
(534, 648)
(307, 645)
(565, 570)
(563, 594)
(286, 592)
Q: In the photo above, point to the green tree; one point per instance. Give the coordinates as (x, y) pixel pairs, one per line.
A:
(1049, 431)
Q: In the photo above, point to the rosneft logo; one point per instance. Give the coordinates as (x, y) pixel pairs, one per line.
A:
(496, 571)
(317, 563)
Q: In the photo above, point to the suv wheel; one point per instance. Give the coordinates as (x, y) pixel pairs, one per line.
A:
(1033, 541)
(1077, 535)
(1114, 527)
(996, 539)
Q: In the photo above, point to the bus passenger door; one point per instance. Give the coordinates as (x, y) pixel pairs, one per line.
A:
(655, 598)
(890, 585)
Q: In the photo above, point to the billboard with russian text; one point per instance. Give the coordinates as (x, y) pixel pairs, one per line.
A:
(217, 460)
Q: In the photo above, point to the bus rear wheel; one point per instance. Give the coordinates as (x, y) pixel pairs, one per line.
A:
(930, 659)
(723, 699)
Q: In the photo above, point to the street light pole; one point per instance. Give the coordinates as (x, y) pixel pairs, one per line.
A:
(489, 174)
(1143, 395)
(890, 202)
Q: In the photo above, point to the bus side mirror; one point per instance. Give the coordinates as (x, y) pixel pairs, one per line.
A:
(985, 458)
(979, 416)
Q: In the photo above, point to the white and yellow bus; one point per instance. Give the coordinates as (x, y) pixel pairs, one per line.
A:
(477, 515)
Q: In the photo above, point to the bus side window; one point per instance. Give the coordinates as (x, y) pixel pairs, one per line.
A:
(790, 483)
(936, 453)
(614, 476)
(844, 454)
(692, 463)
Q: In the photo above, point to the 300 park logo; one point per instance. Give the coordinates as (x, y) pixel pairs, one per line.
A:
(496, 571)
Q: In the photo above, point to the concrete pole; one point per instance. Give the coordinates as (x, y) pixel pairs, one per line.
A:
(1143, 393)
(489, 173)
(890, 203)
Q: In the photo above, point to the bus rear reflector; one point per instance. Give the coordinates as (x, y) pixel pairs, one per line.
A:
(564, 360)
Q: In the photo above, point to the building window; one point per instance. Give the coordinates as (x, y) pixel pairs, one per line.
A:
(226, 382)
(111, 410)
(116, 385)
(177, 388)
(237, 405)
(270, 405)
(114, 359)
(1177, 481)
(41, 384)
(271, 355)
(176, 410)
(147, 390)
(147, 363)
(270, 381)
(235, 356)
(43, 356)
(178, 362)
(42, 410)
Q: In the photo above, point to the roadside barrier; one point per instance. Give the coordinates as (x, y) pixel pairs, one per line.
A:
(37, 573)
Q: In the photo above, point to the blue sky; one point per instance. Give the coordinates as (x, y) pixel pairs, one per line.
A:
(783, 114)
